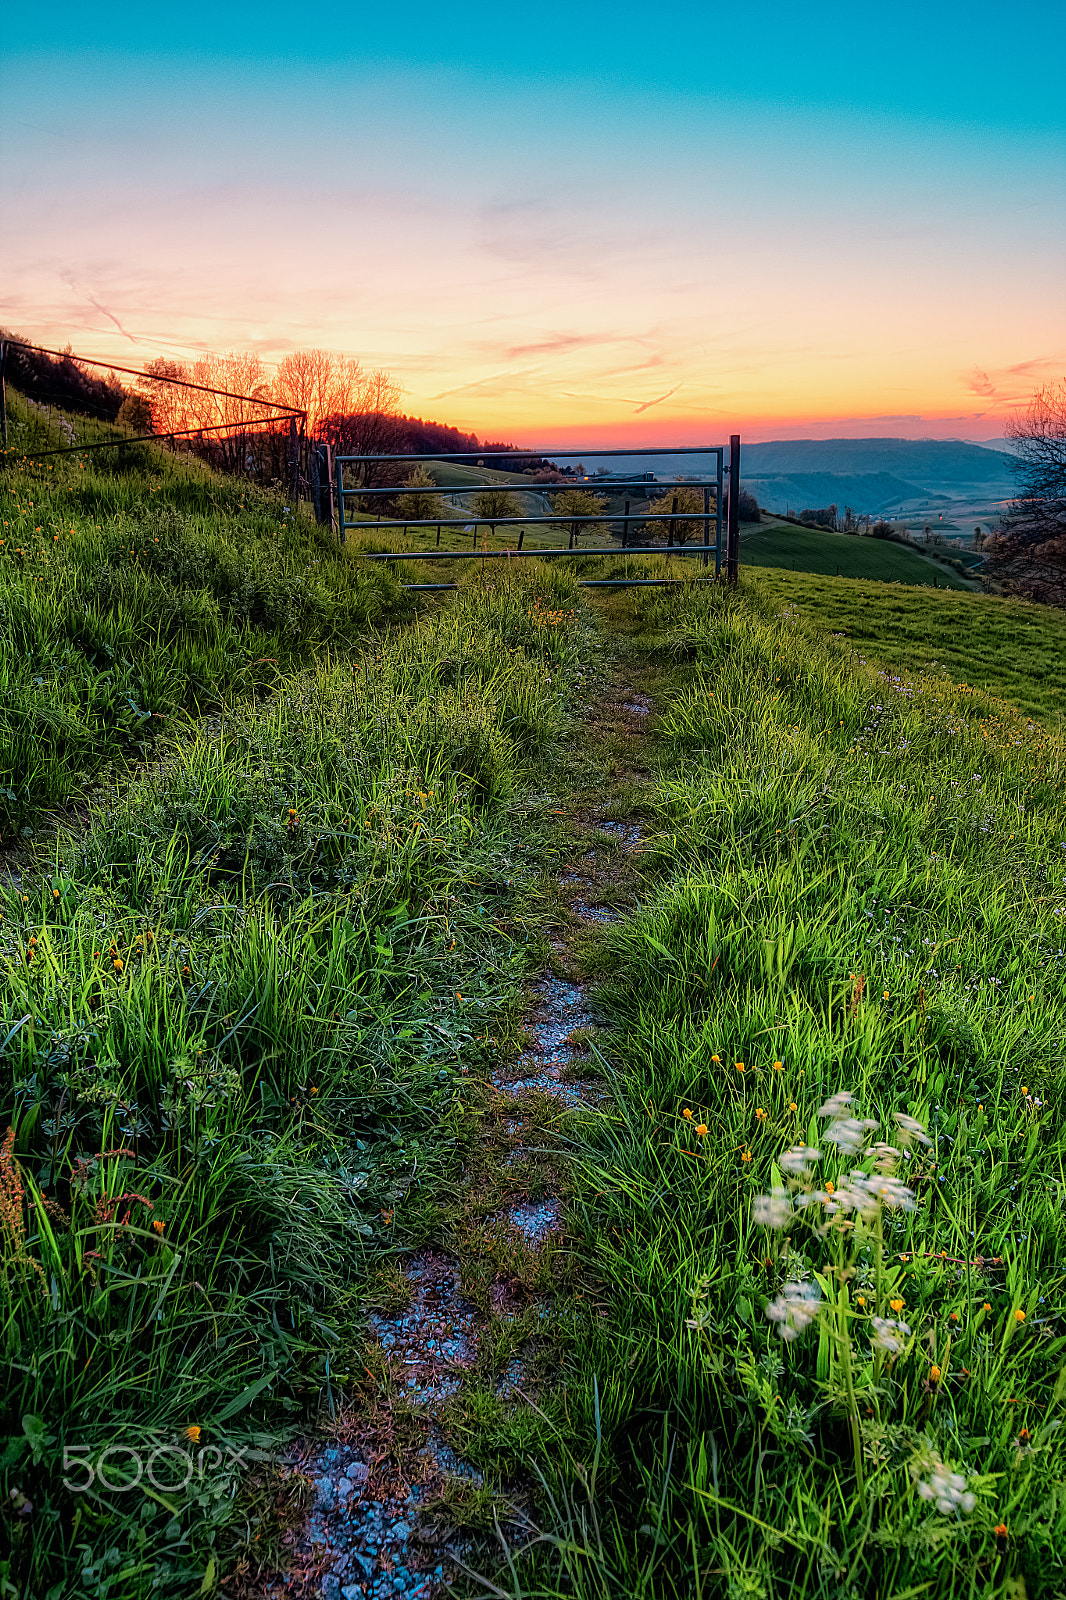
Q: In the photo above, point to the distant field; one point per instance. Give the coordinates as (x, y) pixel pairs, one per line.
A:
(1008, 648)
(814, 550)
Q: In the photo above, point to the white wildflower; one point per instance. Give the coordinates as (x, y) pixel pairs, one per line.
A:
(798, 1161)
(891, 1192)
(849, 1133)
(912, 1127)
(837, 1105)
(885, 1156)
(949, 1491)
(794, 1309)
(771, 1210)
(888, 1335)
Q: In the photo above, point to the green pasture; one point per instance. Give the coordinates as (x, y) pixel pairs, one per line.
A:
(1012, 649)
(238, 1013)
(854, 887)
(840, 555)
(310, 835)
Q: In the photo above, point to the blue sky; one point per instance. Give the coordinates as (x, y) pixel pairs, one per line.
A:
(791, 217)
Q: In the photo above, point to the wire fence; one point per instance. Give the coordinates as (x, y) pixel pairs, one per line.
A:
(66, 404)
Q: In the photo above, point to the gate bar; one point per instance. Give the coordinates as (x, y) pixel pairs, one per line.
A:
(494, 555)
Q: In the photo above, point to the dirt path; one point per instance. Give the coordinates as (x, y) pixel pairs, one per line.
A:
(396, 1508)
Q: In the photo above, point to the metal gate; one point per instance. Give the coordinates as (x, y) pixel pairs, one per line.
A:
(724, 514)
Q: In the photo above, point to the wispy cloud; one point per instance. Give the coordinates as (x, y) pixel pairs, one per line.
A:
(1010, 385)
(69, 279)
(658, 401)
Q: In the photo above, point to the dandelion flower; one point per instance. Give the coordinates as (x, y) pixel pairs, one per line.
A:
(193, 1433)
(1019, 1315)
(986, 1306)
(760, 1113)
(717, 1059)
(687, 1114)
(701, 1130)
(778, 1066)
(741, 1067)
(745, 1155)
(158, 1226)
(895, 1305)
(1000, 1530)
(792, 1106)
(934, 1374)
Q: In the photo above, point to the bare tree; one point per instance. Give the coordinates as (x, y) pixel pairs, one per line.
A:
(1027, 553)
(370, 425)
(322, 383)
(224, 417)
(1038, 511)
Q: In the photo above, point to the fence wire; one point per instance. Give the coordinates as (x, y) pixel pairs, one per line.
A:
(54, 402)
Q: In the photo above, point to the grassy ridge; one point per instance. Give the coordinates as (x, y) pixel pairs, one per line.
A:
(137, 588)
(237, 1012)
(862, 891)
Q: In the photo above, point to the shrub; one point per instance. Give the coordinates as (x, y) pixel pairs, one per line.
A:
(826, 517)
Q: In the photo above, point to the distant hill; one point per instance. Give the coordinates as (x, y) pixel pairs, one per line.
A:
(868, 474)
(862, 491)
(932, 464)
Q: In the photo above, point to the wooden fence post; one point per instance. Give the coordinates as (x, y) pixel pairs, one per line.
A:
(732, 562)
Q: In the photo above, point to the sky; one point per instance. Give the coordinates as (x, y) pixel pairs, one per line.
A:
(571, 224)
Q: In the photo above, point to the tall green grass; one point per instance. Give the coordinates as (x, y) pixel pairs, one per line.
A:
(862, 890)
(237, 1015)
(137, 589)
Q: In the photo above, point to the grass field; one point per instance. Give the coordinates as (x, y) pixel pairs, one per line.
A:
(841, 555)
(1008, 648)
(255, 993)
(138, 588)
(883, 920)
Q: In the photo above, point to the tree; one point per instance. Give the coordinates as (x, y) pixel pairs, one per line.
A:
(368, 424)
(1038, 511)
(825, 517)
(493, 503)
(678, 500)
(321, 382)
(572, 503)
(135, 413)
(421, 506)
(1027, 553)
(748, 507)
